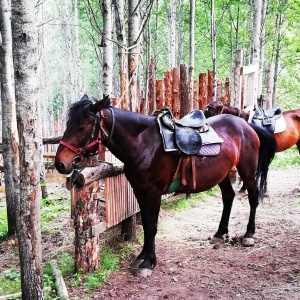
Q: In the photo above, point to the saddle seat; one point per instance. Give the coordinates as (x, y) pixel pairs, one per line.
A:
(185, 134)
(267, 118)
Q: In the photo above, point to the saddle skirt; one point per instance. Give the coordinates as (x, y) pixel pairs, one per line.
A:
(271, 119)
(190, 135)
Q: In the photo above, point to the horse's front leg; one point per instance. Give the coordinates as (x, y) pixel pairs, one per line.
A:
(227, 198)
(149, 214)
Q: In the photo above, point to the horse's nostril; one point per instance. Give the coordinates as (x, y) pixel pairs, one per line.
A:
(60, 167)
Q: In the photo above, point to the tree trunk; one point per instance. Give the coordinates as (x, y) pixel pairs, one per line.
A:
(107, 47)
(10, 138)
(213, 47)
(192, 52)
(123, 68)
(262, 48)
(256, 32)
(172, 35)
(133, 56)
(25, 66)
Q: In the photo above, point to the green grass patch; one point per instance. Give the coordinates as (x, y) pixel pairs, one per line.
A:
(3, 221)
(10, 282)
(289, 158)
(186, 202)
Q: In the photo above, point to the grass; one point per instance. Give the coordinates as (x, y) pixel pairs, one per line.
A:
(187, 202)
(3, 221)
(289, 158)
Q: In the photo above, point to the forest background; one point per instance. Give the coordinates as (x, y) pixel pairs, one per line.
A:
(64, 49)
(73, 49)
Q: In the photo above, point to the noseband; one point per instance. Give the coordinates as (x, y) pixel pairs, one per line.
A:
(82, 152)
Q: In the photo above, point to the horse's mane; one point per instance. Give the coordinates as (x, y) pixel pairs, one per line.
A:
(78, 112)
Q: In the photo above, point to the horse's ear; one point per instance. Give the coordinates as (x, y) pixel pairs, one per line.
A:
(84, 97)
(104, 103)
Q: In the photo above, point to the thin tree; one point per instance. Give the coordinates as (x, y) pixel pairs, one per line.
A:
(134, 51)
(10, 138)
(192, 52)
(107, 47)
(213, 44)
(25, 66)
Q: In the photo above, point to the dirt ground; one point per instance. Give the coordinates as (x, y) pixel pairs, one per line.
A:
(190, 268)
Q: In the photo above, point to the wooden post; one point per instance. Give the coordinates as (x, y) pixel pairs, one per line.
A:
(185, 105)
(142, 106)
(168, 89)
(90, 215)
(202, 91)
(210, 86)
(176, 93)
(219, 90)
(151, 92)
(226, 92)
(236, 81)
(250, 98)
(159, 95)
(196, 96)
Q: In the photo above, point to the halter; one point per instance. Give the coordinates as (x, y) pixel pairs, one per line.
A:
(82, 151)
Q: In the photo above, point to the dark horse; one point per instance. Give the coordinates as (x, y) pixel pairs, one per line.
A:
(135, 139)
(284, 140)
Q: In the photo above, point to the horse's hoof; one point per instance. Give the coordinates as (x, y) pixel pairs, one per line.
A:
(136, 263)
(216, 240)
(248, 242)
(142, 272)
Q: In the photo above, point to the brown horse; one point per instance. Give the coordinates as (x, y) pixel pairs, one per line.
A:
(284, 140)
(136, 140)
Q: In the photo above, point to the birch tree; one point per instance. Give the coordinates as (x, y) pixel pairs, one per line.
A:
(213, 45)
(10, 138)
(134, 52)
(107, 47)
(172, 34)
(25, 66)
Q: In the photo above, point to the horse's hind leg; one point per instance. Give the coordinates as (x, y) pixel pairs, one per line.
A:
(227, 198)
(253, 196)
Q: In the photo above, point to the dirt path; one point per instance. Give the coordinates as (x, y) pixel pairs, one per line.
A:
(189, 268)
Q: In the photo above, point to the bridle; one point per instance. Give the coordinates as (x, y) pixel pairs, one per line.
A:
(82, 152)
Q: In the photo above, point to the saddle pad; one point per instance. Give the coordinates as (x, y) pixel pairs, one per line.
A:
(280, 125)
(210, 137)
(209, 150)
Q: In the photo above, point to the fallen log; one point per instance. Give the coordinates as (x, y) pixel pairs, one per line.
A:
(61, 288)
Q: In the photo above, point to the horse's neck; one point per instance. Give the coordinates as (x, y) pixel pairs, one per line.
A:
(127, 133)
(236, 112)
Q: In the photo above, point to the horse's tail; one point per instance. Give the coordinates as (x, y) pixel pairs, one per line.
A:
(267, 151)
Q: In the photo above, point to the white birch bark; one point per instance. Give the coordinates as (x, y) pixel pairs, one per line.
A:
(172, 34)
(134, 52)
(213, 46)
(192, 51)
(10, 138)
(25, 67)
(107, 48)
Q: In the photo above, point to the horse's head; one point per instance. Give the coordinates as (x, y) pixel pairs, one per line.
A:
(213, 108)
(82, 136)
